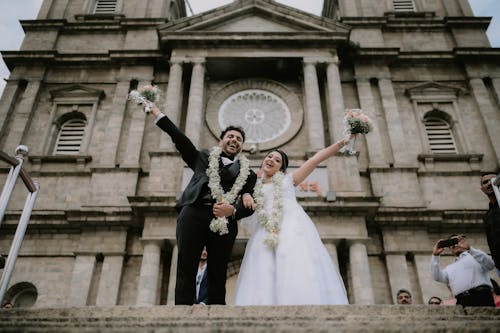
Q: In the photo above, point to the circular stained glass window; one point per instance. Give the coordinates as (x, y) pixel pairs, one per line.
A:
(263, 115)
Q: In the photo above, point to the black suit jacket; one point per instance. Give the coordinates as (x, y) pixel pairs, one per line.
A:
(197, 161)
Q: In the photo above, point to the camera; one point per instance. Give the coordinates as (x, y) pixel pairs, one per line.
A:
(447, 242)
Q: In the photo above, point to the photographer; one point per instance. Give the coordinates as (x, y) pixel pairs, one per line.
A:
(491, 220)
(468, 276)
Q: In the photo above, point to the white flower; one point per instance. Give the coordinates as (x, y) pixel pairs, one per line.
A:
(214, 183)
(270, 223)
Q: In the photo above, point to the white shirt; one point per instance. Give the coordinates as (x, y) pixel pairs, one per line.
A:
(470, 270)
(199, 277)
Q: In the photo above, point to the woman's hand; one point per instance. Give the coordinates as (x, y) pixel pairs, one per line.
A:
(342, 142)
(248, 201)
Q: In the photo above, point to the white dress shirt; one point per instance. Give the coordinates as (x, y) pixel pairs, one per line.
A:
(470, 270)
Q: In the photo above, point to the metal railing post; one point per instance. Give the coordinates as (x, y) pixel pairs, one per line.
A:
(18, 240)
(33, 189)
(10, 182)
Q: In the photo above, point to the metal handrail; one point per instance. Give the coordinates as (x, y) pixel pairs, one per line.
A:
(33, 188)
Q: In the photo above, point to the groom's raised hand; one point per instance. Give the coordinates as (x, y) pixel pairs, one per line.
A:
(221, 209)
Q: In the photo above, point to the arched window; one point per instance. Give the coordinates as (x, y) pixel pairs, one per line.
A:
(70, 137)
(403, 5)
(439, 136)
(105, 7)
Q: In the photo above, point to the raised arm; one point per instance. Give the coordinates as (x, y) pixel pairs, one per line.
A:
(188, 151)
(305, 169)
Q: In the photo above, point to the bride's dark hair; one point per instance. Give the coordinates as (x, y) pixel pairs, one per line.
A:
(284, 159)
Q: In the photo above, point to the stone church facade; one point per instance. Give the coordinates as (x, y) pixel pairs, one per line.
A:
(103, 228)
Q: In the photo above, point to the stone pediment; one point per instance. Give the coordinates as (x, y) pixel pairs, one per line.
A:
(433, 90)
(77, 91)
(248, 18)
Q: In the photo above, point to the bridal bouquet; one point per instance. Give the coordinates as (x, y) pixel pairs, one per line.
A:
(145, 95)
(355, 122)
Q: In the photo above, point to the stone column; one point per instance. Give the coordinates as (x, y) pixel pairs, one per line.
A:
(173, 274)
(44, 11)
(373, 139)
(331, 247)
(21, 118)
(496, 86)
(7, 103)
(335, 100)
(394, 123)
(109, 283)
(194, 116)
(397, 270)
(83, 271)
(489, 113)
(428, 287)
(147, 292)
(114, 126)
(173, 99)
(344, 170)
(314, 116)
(360, 272)
(135, 135)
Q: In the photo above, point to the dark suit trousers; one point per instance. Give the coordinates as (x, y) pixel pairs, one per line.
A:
(476, 297)
(192, 234)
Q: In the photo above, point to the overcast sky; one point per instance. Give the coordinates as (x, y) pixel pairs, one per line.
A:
(11, 11)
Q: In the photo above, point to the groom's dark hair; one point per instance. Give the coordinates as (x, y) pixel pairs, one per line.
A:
(233, 128)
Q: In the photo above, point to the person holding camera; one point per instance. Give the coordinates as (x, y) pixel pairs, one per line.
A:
(468, 276)
(491, 220)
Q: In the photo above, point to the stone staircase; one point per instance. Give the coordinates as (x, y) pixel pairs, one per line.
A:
(163, 319)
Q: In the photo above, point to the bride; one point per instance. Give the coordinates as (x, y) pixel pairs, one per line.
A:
(285, 261)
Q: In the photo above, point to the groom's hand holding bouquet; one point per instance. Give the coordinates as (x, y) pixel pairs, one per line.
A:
(145, 96)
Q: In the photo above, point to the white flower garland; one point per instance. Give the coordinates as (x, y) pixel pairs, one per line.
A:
(270, 223)
(219, 224)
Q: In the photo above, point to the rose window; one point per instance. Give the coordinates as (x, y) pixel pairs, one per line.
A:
(263, 115)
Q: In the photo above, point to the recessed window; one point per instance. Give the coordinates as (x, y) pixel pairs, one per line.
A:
(22, 295)
(70, 137)
(440, 136)
(403, 5)
(105, 7)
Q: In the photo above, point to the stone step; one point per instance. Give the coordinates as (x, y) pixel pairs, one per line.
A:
(163, 319)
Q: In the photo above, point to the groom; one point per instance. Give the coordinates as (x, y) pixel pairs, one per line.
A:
(197, 208)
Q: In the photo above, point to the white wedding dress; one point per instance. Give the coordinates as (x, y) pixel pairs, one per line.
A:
(298, 271)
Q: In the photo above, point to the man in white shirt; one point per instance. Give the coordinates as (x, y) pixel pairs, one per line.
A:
(468, 276)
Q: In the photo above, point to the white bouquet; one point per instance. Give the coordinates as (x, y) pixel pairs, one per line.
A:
(145, 95)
